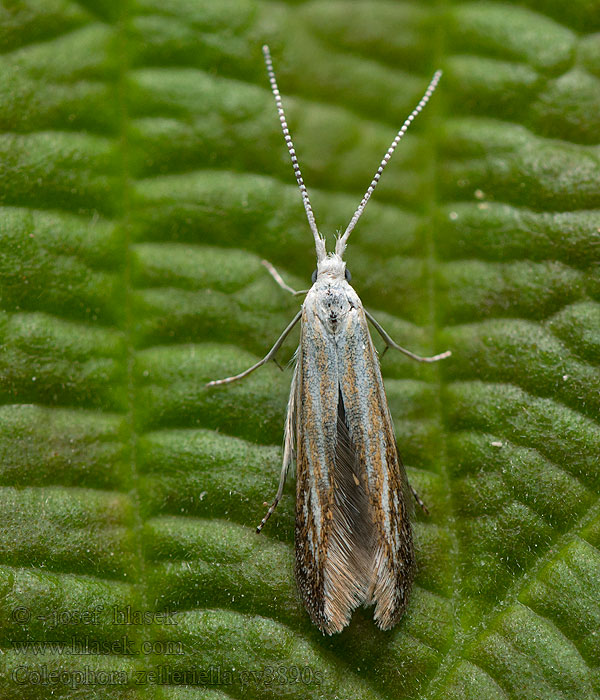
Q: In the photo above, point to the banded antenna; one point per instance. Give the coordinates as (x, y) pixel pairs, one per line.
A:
(340, 245)
(319, 241)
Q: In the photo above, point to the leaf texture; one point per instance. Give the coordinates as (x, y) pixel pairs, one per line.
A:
(143, 179)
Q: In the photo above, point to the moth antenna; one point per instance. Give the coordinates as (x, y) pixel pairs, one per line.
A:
(319, 242)
(340, 245)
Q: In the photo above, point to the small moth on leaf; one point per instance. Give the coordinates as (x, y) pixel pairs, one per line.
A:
(353, 504)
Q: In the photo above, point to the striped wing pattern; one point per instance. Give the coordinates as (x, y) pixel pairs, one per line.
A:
(353, 534)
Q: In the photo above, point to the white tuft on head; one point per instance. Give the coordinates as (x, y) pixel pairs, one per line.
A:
(332, 266)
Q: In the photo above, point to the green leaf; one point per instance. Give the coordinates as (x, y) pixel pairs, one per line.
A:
(144, 177)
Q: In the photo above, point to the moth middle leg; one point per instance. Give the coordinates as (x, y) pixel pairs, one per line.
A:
(269, 356)
(389, 343)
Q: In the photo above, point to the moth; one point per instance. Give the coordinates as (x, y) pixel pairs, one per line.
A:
(353, 535)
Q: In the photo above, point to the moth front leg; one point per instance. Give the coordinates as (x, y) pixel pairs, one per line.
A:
(279, 279)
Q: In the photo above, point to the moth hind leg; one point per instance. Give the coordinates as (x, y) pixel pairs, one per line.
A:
(419, 500)
(288, 449)
(272, 507)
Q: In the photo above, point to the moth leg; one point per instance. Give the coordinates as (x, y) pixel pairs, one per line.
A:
(391, 344)
(269, 356)
(279, 279)
(288, 449)
(419, 500)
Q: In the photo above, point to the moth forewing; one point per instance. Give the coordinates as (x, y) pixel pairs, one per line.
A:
(353, 535)
(372, 432)
(316, 435)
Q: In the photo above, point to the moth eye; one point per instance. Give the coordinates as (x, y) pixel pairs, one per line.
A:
(347, 275)
(313, 277)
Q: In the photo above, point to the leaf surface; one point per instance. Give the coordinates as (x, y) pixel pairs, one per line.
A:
(144, 177)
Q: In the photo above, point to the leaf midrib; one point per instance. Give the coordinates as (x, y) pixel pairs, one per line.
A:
(123, 34)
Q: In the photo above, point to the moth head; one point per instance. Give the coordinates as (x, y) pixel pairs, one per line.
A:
(333, 267)
(332, 263)
(337, 270)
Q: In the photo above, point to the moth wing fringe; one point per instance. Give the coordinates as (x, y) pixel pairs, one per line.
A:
(352, 536)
